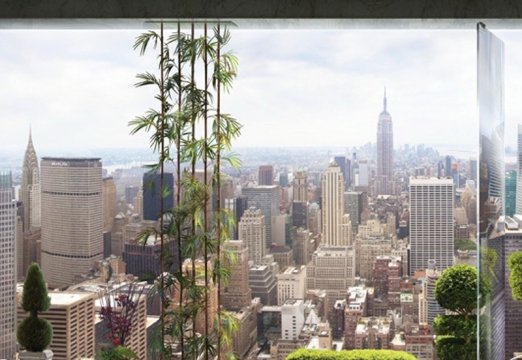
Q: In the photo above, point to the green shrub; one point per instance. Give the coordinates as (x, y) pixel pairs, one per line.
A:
(35, 334)
(456, 289)
(455, 325)
(118, 353)
(452, 348)
(515, 275)
(304, 354)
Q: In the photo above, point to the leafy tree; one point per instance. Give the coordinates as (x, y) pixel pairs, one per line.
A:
(456, 290)
(515, 274)
(34, 333)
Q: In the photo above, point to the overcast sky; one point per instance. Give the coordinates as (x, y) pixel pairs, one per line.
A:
(295, 87)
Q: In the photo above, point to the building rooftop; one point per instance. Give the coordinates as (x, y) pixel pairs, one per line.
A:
(61, 298)
(429, 180)
(49, 158)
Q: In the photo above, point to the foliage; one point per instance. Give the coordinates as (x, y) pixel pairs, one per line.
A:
(304, 354)
(450, 348)
(118, 353)
(184, 107)
(35, 297)
(118, 313)
(465, 244)
(515, 274)
(33, 333)
(488, 260)
(456, 289)
(455, 325)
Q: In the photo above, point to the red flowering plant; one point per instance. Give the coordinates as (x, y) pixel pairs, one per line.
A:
(119, 310)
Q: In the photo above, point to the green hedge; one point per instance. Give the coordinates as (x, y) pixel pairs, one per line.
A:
(304, 354)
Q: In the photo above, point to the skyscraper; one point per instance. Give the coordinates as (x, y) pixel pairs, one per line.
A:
(266, 199)
(266, 175)
(252, 233)
(235, 293)
(332, 189)
(505, 239)
(519, 172)
(72, 221)
(109, 203)
(511, 192)
(29, 192)
(431, 222)
(7, 268)
(384, 181)
(152, 196)
(341, 162)
(300, 187)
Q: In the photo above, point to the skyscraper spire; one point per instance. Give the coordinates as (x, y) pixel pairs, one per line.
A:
(384, 100)
(30, 178)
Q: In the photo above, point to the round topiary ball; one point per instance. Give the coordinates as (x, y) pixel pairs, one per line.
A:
(34, 334)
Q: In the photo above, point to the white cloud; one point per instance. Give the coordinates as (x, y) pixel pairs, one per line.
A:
(295, 87)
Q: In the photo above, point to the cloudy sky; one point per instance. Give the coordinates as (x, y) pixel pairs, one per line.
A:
(295, 87)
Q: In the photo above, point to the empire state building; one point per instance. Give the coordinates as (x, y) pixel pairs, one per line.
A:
(384, 184)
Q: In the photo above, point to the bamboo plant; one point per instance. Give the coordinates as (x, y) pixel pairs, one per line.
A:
(185, 106)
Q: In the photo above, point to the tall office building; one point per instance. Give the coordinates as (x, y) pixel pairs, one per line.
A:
(505, 239)
(384, 180)
(431, 222)
(109, 203)
(236, 294)
(447, 166)
(348, 180)
(7, 268)
(341, 162)
(265, 198)
(353, 205)
(266, 175)
(29, 192)
(511, 193)
(152, 196)
(72, 221)
(519, 172)
(362, 174)
(252, 233)
(300, 187)
(473, 169)
(491, 188)
(240, 205)
(332, 189)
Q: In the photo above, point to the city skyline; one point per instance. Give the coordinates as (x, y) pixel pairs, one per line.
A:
(279, 72)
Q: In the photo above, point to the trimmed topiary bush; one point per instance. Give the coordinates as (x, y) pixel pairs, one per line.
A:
(35, 334)
(456, 289)
(303, 354)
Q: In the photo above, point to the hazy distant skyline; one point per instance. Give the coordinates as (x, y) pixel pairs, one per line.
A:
(295, 87)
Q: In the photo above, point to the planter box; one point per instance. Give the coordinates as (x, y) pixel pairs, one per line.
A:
(28, 355)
